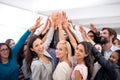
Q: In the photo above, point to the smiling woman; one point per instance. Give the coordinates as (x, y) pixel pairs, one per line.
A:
(8, 62)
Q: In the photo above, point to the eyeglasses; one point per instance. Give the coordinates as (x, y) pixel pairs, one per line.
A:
(3, 50)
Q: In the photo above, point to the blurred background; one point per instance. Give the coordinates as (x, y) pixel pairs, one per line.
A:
(18, 15)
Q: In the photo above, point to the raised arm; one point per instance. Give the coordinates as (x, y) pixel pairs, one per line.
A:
(85, 37)
(94, 29)
(23, 38)
(47, 26)
(44, 28)
(71, 28)
(60, 20)
(71, 38)
(106, 64)
(45, 32)
(50, 33)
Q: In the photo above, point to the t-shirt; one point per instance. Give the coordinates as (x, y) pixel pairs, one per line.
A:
(62, 71)
(83, 71)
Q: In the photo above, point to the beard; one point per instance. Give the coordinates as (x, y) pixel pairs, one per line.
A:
(104, 41)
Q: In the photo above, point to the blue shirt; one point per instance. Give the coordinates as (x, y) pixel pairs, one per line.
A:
(9, 71)
(109, 52)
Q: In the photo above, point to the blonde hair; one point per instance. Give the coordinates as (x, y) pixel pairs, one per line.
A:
(68, 47)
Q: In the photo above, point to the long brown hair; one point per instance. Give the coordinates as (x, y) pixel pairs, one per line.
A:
(30, 54)
(89, 61)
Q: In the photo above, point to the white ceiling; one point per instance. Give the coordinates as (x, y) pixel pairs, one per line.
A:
(46, 5)
(103, 13)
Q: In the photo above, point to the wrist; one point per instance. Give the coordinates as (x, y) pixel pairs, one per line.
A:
(52, 24)
(31, 29)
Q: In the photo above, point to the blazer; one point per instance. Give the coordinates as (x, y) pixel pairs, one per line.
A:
(39, 69)
(108, 70)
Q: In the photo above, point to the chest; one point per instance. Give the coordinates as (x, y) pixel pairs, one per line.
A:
(8, 69)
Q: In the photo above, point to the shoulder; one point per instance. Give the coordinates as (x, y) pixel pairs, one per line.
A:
(63, 66)
(36, 63)
(82, 68)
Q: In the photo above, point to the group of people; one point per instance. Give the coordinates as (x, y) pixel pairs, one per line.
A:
(55, 51)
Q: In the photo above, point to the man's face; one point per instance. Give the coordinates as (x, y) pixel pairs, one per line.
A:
(105, 37)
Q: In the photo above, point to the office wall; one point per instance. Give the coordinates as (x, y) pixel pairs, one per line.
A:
(14, 22)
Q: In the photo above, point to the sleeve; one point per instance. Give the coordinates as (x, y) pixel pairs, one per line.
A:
(80, 69)
(49, 38)
(79, 33)
(35, 68)
(108, 65)
(20, 43)
(83, 71)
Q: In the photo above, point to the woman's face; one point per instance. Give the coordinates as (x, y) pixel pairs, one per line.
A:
(114, 57)
(91, 35)
(61, 51)
(80, 52)
(4, 52)
(12, 43)
(38, 47)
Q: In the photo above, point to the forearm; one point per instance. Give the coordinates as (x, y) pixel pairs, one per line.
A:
(20, 43)
(101, 60)
(71, 38)
(61, 34)
(45, 37)
(76, 36)
(49, 38)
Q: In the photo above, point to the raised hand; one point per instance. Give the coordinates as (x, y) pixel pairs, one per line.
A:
(71, 24)
(53, 16)
(84, 35)
(37, 24)
(93, 28)
(83, 32)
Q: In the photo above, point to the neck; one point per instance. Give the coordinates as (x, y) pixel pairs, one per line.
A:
(41, 56)
(63, 59)
(67, 61)
(80, 61)
(107, 46)
(4, 60)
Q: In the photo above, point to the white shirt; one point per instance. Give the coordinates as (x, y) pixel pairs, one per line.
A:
(62, 71)
(109, 52)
